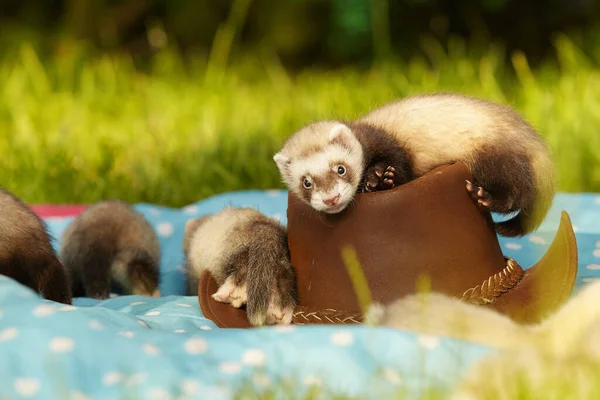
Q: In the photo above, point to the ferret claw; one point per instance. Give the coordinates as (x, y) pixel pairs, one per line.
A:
(478, 194)
(379, 177)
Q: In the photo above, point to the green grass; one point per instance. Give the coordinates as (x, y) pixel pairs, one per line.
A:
(79, 129)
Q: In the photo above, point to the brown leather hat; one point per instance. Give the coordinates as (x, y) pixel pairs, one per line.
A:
(429, 227)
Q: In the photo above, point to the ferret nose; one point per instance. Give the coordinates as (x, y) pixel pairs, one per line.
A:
(332, 201)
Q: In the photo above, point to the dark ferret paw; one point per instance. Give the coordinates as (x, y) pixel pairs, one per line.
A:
(379, 177)
(478, 194)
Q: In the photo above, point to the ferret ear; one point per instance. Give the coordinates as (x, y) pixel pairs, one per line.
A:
(282, 161)
(339, 132)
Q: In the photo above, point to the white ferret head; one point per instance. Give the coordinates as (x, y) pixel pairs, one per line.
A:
(323, 165)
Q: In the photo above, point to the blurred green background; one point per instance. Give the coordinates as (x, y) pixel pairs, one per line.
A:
(172, 101)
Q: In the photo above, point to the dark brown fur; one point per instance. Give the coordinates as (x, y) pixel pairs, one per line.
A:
(100, 237)
(381, 149)
(26, 254)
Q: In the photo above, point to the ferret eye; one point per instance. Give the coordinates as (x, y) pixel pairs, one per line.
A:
(307, 184)
(341, 170)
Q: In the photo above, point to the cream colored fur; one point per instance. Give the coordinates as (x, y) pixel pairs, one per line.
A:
(212, 241)
(308, 154)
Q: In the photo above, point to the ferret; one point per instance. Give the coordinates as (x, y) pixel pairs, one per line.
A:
(26, 252)
(441, 315)
(248, 256)
(327, 163)
(111, 246)
(528, 356)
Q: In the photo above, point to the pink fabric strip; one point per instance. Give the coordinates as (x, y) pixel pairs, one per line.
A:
(58, 210)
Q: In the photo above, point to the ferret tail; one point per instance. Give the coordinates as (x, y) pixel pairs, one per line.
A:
(143, 272)
(533, 212)
(270, 281)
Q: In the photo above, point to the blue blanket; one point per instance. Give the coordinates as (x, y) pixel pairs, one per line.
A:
(137, 347)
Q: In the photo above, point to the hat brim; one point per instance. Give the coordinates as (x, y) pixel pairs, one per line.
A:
(542, 289)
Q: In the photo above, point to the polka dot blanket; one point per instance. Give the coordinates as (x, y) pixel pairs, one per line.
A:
(137, 347)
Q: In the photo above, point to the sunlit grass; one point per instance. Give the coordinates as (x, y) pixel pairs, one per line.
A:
(79, 129)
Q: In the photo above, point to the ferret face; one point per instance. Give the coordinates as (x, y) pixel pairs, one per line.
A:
(327, 169)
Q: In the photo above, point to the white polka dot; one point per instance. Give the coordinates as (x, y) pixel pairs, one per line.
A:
(514, 246)
(137, 303)
(284, 328)
(230, 367)
(262, 380)
(189, 387)
(597, 253)
(8, 334)
(127, 334)
(429, 342)
(142, 323)
(590, 280)
(195, 346)
(165, 229)
(80, 396)
(25, 293)
(206, 328)
(597, 200)
(342, 338)
(136, 379)
(312, 380)
(254, 357)
(160, 394)
(391, 375)
(153, 313)
(537, 240)
(273, 193)
(151, 350)
(27, 387)
(112, 378)
(179, 331)
(593, 266)
(113, 295)
(67, 308)
(190, 209)
(95, 324)
(43, 310)
(184, 305)
(153, 211)
(62, 345)
(598, 244)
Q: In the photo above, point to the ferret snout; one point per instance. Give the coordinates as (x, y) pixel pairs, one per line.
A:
(332, 200)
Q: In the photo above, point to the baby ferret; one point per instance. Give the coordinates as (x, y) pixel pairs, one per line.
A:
(111, 246)
(26, 252)
(247, 254)
(327, 163)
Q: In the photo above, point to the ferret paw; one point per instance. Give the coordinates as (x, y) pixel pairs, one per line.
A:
(279, 316)
(478, 194)
(231, 293)
(379, 177)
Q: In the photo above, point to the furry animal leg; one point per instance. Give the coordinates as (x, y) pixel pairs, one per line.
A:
(231, 293)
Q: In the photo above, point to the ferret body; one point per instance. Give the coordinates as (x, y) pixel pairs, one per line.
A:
(248, 256)
(111, 245)
(26, 253)
(438, 314)
(529, 356)
(326, 163)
